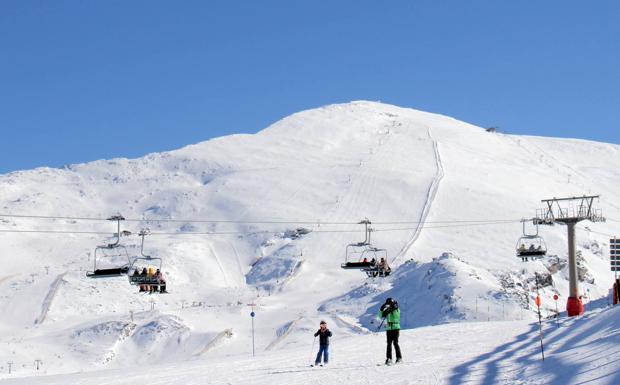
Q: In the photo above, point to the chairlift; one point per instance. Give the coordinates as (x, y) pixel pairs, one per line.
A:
(142, 263)
(530, 245)
(365, 257)
(111, 253)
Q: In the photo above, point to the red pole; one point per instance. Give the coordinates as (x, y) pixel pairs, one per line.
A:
(557, 313)
(538, 302)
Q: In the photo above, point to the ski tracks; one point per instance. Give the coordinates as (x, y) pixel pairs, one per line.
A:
(47, 302)
(286, 333)
(3, 279)
(352, 200)
(217, 341)
(430, 197)
(350, 325)
(239, 266)
(219, 264)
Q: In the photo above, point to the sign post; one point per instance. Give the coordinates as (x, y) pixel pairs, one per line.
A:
(538, 303)
(614, 260)
(253, 314)
(614, 255)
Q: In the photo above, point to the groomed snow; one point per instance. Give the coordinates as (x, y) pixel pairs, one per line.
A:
(582, 350)
(318, 170)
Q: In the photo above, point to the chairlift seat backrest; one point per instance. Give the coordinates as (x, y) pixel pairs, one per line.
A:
(145, 280)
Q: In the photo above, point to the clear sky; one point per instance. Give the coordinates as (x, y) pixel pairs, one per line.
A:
(85, 80)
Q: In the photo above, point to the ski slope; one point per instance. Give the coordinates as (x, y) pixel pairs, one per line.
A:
(582, 350)
(445, 198)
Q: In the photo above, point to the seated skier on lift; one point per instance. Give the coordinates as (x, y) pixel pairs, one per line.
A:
(383, 266)
(161, 279)
(143, 276)
(522, 250)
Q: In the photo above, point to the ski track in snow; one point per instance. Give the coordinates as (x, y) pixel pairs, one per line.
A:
(354, 195)
(215, 342)
(219, 264)
(239, 266)
(3, 279)
(352, 326)
(539, 153)
(286, 333)
(359, 182)
(292, 273)
(430, 197)
(47, 302)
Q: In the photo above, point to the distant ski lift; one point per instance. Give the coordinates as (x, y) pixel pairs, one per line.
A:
(530, 245)
(111, 260)
(365, 257)
(143, 268)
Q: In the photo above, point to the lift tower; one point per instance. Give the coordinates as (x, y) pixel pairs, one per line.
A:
(570, 211)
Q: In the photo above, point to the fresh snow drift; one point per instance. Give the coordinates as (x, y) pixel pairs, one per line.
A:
(261, 222)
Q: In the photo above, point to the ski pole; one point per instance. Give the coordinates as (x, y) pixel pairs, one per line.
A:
(381, 324)
(312, 350)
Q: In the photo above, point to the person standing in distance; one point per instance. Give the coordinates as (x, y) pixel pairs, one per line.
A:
(324, 335)
(391, 316)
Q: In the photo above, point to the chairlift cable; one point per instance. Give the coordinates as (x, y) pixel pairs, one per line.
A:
(56, 232)
(248, 232)
(268, 221)
(596, 232)
(52, 217)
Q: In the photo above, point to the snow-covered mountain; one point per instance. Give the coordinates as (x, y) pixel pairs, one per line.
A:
(262, 221)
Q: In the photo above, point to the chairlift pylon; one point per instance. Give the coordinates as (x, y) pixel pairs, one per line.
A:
(365, 257)
(530, 245)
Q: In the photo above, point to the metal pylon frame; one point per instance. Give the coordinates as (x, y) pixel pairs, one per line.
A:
(570, 211)
(576, 209)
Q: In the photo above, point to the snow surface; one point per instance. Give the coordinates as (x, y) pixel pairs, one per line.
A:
(467, 301)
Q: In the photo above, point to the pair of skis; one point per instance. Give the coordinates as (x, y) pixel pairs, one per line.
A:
(390, 363)
(379, 364)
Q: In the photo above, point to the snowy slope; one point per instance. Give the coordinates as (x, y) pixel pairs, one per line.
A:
(320, 170)
(580, 351)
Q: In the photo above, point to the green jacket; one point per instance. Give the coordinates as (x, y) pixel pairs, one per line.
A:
(392, 321)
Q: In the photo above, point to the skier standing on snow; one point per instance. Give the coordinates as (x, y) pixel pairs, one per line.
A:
(391, 316)
(324, 333)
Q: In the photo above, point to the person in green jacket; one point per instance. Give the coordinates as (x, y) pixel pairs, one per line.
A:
(390, 313)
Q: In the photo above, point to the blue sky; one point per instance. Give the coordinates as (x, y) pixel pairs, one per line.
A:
(85, 80)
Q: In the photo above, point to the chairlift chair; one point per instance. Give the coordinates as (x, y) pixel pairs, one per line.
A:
(140, 263)
(111, 252)
(365, 257)
(530, 245)
(144, 262)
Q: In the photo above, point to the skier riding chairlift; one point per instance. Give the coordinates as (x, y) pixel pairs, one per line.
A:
(536, 245)
(357, 256)
(151, 277)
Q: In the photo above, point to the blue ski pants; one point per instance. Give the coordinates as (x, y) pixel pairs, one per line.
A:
(323, 349)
